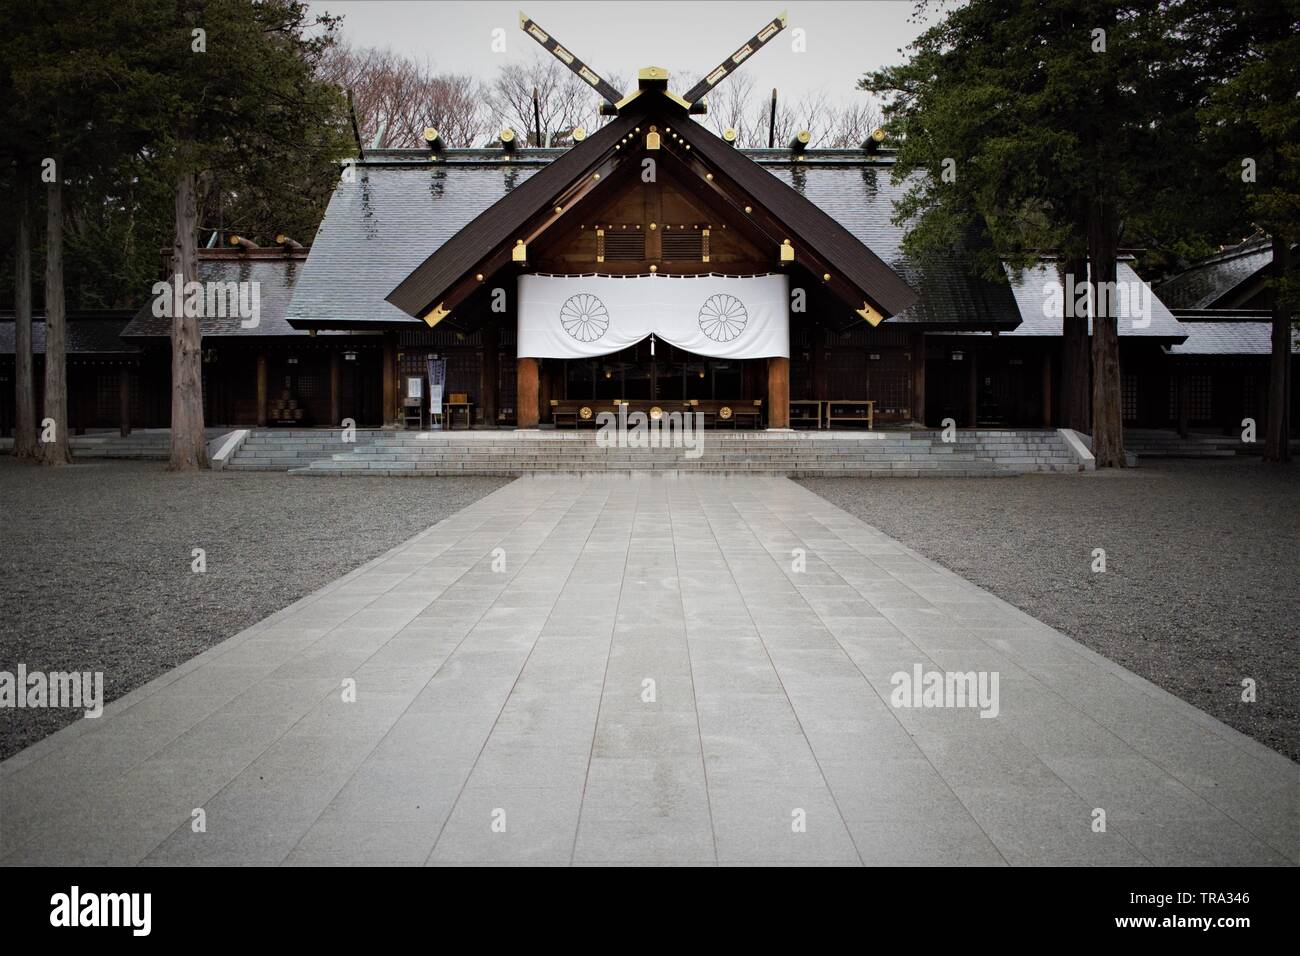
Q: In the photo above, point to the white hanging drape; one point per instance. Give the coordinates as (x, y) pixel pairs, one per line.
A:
(719, 316)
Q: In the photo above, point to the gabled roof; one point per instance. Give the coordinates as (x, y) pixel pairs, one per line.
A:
(809, 223)
(496, 225)
(1213, 282)
(480, 245)
(397, 205)
(88, 333)
(858, 192)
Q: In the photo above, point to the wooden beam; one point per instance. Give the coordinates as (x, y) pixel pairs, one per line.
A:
(747, 49)
(261, 389)
(1184, 401)
(390, 412)
(778, 392)
(1047, 388)
(552, 46)
(488, 371)
(336, 372)
(600, 177)
(124, 400)
(748, 212)
(526, 396)
(918, 378)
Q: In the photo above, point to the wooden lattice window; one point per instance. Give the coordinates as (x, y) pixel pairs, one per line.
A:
(1200, 398)
(1129, 389)
(683, 246)
(619, 246)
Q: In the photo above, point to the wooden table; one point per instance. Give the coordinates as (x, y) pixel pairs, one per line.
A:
(814, 405)
(850, 410)
(449, 410)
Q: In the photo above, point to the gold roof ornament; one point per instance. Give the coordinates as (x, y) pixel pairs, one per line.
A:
(870, 314)
(436, 315)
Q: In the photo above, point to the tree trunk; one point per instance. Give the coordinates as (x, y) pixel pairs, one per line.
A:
(1107, 406)
(1076, 362)
(188, 447)
(1277, 443)
(57, 450)
(24, 385)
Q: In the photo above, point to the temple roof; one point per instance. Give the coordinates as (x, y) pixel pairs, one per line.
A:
(397, 205)
(276, 273)
(1142, 314)
(1213, 282)
(89, 333)
(1230, 338)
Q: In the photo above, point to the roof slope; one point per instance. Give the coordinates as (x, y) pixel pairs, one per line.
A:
(807, 219)
(89, 333)
(275, 275)
(860, 198)
(1230, 338)
(1208, 283)
(495, 226)
(384, 222)
(1142, 314)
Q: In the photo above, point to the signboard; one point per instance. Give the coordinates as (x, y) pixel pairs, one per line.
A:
(437, 381)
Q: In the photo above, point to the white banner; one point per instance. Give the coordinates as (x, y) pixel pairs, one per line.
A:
(718, 316)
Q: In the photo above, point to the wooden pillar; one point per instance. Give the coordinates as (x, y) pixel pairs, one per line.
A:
(1184, 401)
(1047, 388)
(778, 392)
(918, 379)
(76, 401)
(488, 371)
(546, 372)
(390, 379)
(526, 397)
(124, 400)
(336, 376)
(261, 389)
(973, 390)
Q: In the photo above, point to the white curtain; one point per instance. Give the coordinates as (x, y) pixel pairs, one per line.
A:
(718, 316)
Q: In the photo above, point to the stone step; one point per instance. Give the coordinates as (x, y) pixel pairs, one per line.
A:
(320, 452)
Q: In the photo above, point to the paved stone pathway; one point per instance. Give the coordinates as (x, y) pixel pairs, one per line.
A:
(508, 715)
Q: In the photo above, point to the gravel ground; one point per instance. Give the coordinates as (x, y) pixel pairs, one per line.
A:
(1202, 560)
(95, 561)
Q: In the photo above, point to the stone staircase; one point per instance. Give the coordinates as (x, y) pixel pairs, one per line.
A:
(546, 452)
(143, 443)
(289, 449)
(1155, 443)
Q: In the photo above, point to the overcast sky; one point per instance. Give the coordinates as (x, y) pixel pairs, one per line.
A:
(844, 39)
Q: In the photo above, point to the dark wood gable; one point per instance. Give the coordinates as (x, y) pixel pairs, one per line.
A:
(661, 223)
